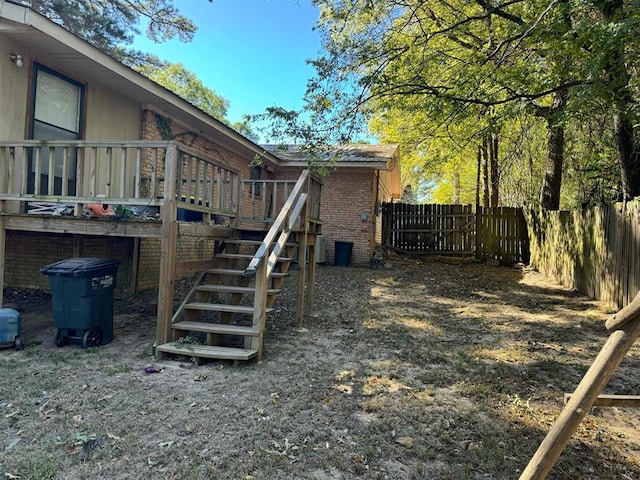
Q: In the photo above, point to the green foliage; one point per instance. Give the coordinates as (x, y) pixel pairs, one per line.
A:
(438, 76)
(110, 25)
(182, 82)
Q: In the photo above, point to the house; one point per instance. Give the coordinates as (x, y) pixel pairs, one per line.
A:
(83, 136)
(360, 178)
(96, 160)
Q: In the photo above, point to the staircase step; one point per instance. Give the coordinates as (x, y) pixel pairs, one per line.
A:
(228, 271)
(233, 289)
(221, 307)
(207, 351)
(236, 241)
(243, 256)
(216, 328)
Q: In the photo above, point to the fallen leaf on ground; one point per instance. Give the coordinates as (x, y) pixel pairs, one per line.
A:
(405, 441)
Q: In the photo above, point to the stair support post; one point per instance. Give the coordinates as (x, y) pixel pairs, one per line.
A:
(3, 241)
(259, 308)
(311, 278)
(302, 260)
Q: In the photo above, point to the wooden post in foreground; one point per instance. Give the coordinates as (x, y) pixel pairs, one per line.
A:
(596, 378)
(168, 213)
(3, 241)
(302, 277)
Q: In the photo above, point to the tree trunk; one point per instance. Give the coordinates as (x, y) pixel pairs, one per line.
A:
(627, 146)
(550, 193)
(479, 159)
(456, 187)
(628, 160)
(484, 152)
(495, 171)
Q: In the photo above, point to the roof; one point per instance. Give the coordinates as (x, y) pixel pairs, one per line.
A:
(64, 50)
(379, 157)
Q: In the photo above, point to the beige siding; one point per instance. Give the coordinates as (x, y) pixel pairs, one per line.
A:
(110, 116)
(15, 80)
(384, 195)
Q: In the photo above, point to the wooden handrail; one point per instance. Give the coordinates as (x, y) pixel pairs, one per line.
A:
(279, 225)
(266, 257)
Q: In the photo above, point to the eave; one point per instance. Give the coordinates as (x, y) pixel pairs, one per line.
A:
(54, 46)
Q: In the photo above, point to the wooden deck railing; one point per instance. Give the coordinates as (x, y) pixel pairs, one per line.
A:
(262, 200)
(115, 173)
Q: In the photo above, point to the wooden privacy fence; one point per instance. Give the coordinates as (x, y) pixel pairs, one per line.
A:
(431, 229)
(501, 234)
(595, 250)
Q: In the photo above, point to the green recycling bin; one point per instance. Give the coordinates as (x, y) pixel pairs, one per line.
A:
(82, 295)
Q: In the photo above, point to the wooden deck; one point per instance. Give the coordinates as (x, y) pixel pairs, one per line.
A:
(166, 176)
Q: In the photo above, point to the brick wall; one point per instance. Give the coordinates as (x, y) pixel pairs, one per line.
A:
(27, 252)
(153, 123)
(188, 248)
(346, 194)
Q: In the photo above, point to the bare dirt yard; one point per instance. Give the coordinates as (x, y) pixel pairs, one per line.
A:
(434, 369)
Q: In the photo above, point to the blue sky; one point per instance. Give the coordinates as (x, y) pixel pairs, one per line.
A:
(251, 52)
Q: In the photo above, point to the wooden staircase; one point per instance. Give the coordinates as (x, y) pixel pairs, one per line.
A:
(224, 314)
(219, 318)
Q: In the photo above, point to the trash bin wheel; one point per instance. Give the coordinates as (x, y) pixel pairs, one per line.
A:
(92, 338)
(59, 340)
(17, 343)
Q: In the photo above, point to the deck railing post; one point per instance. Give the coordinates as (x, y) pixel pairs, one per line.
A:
(167, 248)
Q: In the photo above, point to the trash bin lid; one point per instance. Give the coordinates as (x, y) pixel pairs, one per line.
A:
(79, 266)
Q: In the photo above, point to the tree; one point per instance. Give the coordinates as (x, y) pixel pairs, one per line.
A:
(456, 61)
(452, 59)
(620, 30)
(182, 82)
(110, 25)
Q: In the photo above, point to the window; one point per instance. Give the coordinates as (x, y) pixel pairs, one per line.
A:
(256, 174)
(56, 113)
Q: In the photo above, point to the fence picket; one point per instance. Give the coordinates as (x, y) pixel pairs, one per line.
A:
(594, 250)
(499, 232)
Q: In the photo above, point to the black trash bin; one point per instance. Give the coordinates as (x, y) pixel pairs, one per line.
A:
(82, 291)
(342, 254)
